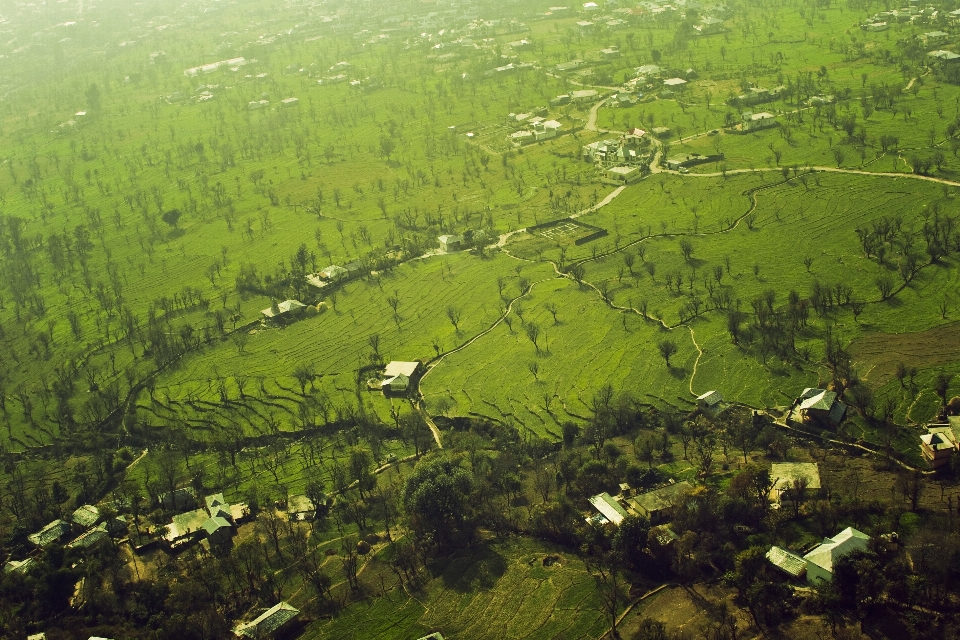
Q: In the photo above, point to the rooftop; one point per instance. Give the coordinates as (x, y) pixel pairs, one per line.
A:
(662, 498)
(786, 561)
(267, 622)
(396, 368)
(610, 508)
(784, 473)
(832, 549)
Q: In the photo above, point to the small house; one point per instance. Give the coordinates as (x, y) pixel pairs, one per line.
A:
(89, 539)
(675, 84)
(820, 561)
(820, 405)
(648, 70)
(217, 506)
(283, 310)
(560, 100)
(710, 402)
(333, 273)
(268, 622)
(19, 566)
(709, 26)
(610, 53)
(53, 532)
(757, 121)
(546, 130)
(658, 505)
(450, 243)
(608, 508)
(584, 95)
(186, 526)
(85, 516)
(591, 6)
(256, 105)
(623, 175)
(790, 563)
(939, 444)
(945, 57)
(218, 530)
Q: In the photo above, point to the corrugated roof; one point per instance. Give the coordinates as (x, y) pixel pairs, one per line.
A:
(662, 498)
(834, 548)
(268, 622)
(86, 515)
(787, 561)
(611, 510)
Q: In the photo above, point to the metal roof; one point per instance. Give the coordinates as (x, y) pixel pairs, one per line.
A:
(787, 561)
(268, 622)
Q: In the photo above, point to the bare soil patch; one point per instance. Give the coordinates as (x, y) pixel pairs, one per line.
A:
(879, 353)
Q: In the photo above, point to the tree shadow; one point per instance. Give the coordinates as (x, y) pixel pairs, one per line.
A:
(479, 568)
(679, 373)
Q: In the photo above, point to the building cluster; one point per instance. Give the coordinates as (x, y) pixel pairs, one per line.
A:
(912, 13)
(214, 524)
(621, 160)
(85, 528)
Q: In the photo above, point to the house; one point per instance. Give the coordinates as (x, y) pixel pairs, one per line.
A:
(945, 57)
(875, 26)
(624, 99)
(675, 84)
(585, 27)
(186, 526)
(334, 273)
(657, 505)
(939, 444)
(53, 532)
(283, 310)
(255, 105)
(584, 95)
(648, 70)
(450, 243)
(217, 506)
(85, 516)
(546, 130)
(286, 103)
(785, 474)
(821, 560)
(218, 530)
(757, 121)
(623, 175)
(709, 26)
(609, 509)
(933, 37)
(560, 100)
(789, 563)
(397, 376)
(591, 6)
(710, 402)
(570, 65)
(268, 622)
(89, 538)
(610, 53)
(821, 405)
(19, 566)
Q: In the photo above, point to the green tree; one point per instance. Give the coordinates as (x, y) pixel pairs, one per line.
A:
(436, 497)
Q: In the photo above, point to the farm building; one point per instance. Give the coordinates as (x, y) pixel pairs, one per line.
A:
(283, 310)
(657, 505)
(939, 444)
(710, 402)
(789, 563)
(56, 530)
(820, 404)
(450, 243)
(786, 474)
(820, 561)
(268, 622)
(609, 510)
(757, 121)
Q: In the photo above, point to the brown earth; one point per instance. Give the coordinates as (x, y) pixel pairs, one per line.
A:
(878, 354)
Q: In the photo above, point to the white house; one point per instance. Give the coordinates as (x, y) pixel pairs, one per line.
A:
(757, 121)
(820, 561)
(450, 243)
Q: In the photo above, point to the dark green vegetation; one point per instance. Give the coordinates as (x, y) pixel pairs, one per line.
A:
(148, 215)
